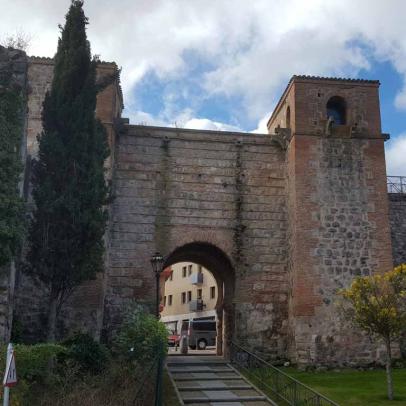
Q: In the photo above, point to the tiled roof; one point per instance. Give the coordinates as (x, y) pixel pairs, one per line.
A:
(310, 77)
(321, 78)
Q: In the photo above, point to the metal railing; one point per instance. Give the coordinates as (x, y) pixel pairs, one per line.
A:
(149, 385)
(281, 387)
(396, 184)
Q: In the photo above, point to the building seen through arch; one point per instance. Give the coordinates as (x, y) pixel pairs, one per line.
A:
(189, 293)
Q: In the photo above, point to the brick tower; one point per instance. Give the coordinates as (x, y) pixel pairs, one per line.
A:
(337, 208)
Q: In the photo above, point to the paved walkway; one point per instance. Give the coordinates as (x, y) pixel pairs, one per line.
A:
(210, 380)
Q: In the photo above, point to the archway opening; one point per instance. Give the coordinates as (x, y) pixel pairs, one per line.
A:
(336, 110)
(197, 294)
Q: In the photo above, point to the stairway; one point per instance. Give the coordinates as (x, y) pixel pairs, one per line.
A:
(210, 380)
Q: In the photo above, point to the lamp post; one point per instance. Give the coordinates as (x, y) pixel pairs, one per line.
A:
(157, 261)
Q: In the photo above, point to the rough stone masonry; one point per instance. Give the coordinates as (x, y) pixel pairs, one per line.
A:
(283, 220)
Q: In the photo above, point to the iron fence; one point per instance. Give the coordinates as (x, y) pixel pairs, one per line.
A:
(149, 385)
(281, 387)
(396, 184)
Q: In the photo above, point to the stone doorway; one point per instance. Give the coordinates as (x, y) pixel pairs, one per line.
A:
(217, 262)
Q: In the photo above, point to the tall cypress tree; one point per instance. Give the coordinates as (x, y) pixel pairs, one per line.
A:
(69, 188)
(11, 123)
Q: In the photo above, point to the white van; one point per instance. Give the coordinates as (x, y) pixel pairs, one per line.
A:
(200, 333)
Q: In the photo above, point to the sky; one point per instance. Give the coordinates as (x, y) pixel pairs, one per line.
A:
(223, 64)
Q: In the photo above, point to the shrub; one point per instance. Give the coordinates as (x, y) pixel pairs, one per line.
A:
(90, 355)
(32, 361)
(142, 336)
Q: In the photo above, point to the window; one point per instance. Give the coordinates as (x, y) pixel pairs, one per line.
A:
(336, 110)
(199, 269)
(288, 117)
(171, 276)
(183, 297)
(184, 272)
(199, 293)
(212, 292)
(170, 300)
(190, 270)
(189, 295)
(164, 300)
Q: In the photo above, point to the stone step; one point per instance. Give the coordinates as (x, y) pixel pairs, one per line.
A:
(200, 388)
(205, 383)
(195, 364)
(199, 371)
(216, 378)
(240, 399)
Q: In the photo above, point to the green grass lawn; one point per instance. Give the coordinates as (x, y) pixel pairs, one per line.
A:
(355, 388)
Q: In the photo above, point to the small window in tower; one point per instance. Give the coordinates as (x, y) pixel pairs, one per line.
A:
(336, 110)
(288, 117)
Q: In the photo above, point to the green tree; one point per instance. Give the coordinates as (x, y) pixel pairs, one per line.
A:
(377, 304)
(11, 204)
(69, 188)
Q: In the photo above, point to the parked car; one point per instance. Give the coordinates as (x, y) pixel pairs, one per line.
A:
(200, 333)
(173, 339)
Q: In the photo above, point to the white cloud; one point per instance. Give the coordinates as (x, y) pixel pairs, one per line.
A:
(183, 120)
(250, 48)
(206, 124)
(395, 152)
(262, 125)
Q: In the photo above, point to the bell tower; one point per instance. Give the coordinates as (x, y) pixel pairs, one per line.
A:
(337, 208)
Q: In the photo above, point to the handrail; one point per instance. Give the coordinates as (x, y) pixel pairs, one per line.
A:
(396, 184)
(282, 385)
(150, 392)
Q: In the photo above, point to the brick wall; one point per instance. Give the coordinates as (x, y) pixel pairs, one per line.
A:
(338, 213)
(175, 187)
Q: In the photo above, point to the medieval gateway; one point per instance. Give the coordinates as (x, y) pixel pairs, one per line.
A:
(282, 220)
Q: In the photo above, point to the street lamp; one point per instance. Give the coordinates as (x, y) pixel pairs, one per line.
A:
(157, 261)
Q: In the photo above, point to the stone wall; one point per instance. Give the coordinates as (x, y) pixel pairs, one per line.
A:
(397, 217)
(174, 187)
(338, 216)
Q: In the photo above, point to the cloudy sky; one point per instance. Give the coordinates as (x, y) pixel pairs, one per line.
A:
(222, 64)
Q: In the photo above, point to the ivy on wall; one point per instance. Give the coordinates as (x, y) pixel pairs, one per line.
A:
(11, 204)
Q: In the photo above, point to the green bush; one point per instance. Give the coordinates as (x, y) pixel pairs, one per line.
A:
(142, 336)
(32, 361)
(90, 355)
(34, 367)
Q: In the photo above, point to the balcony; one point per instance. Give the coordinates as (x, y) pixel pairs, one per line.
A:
(196, 305)
(196, 278)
